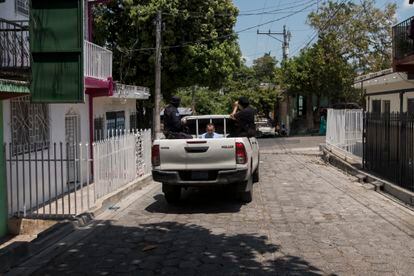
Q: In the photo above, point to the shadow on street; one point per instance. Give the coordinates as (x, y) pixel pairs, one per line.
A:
(171, 248)
(209, 200)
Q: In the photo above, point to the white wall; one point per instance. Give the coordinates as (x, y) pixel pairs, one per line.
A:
(26, 184)
(101, 105)
(8, 11)
(27, 180)
(394, 100)
(391, 82)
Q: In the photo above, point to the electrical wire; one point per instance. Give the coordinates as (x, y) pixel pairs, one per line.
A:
(263, 12)
(323, 28)
(223, 36)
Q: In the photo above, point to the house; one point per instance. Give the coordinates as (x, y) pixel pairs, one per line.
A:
(14, 60)
(387, 91)
(403, 46)
(30, 129)
(392, 90)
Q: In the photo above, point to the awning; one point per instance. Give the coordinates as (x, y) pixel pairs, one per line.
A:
(12, 88)
(124, 91)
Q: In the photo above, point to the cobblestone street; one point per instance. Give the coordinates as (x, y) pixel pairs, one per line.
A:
(306, 218)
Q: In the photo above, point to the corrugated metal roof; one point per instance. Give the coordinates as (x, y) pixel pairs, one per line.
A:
(13, 87)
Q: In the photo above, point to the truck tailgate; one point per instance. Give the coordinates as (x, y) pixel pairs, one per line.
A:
(198, 154)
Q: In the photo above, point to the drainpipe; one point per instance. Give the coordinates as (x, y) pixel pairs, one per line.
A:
(91, 129)
(3, 185)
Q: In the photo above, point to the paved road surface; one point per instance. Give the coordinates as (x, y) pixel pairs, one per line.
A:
(306, 218)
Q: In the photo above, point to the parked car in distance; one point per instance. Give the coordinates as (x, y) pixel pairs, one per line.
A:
(264, 128)
(182, 163)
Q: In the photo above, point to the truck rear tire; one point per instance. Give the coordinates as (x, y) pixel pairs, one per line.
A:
(246, 197)
(245, 193)
(172, 193)
(256, 176)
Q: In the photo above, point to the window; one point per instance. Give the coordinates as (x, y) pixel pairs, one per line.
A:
(98, 126)
(22, 7)
(115, 121)
(29, 125)
(376, 106)
(300, 106)
(386, 107)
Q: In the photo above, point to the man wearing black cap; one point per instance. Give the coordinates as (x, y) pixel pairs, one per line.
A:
(244, 114)
(172, 121)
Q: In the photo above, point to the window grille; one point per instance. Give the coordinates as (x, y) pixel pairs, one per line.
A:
(29, 125)
(22, 7)
(99, 128)
(115, 121)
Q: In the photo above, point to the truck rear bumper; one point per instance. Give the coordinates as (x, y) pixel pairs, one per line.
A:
(223, 178)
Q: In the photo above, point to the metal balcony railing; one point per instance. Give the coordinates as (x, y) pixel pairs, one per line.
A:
(97, 61)
(403, 43)
(14, 45)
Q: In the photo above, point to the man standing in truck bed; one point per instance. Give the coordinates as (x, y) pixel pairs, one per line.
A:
(244, 114)
(173, 128)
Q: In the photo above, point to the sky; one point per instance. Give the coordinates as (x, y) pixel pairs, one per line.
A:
(254, 46)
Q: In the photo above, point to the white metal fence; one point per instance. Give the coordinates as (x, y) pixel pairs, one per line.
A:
(121, 159)
(47, 181)
(344, 130)
(97, 61)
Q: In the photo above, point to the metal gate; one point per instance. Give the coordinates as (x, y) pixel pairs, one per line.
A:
(72, 138)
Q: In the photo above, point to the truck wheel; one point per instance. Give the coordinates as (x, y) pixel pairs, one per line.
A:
(256, 176)
(172, 193)
(245, 194)
(246, 197)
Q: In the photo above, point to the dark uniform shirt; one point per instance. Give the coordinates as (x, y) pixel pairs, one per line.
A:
(245, 122)
(172, 120)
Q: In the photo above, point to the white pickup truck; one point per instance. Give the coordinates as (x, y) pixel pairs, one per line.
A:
(197, 162)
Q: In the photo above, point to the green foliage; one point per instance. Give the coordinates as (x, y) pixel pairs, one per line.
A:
(206, 101)
(207, 51)
(265, 69)
(257, 83)
(321, 70)
(362, 30)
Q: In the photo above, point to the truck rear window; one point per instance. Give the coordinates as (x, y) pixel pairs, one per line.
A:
(221, 127)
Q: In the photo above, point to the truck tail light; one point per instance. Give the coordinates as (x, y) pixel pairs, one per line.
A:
(241, 154)
(155, 155)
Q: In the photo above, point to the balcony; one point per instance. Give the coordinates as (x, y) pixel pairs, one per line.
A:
(14, 49)
(15, 56)
(97, 61)
(403, 46)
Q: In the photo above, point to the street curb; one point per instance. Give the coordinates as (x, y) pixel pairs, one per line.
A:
(18, 252)
(379, 185)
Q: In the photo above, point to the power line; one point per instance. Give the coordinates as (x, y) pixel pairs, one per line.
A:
(223, 36)
(275, 6)
(263, 12)
(323, 27)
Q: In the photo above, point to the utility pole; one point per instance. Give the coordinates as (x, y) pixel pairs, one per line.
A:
(285, 48)
(285, 42)
(157, 96)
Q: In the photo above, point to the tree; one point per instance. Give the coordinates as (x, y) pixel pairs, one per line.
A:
(199, 44)
(259, 83)
(207, 101)
(265, 69)
(363, 31)
(322, 71)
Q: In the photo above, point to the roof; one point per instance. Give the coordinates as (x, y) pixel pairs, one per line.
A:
(125, 91)
(373, 75)
(13, 88)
